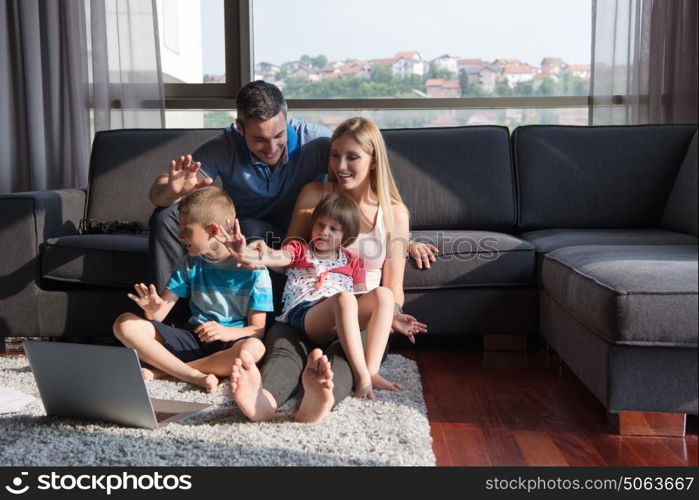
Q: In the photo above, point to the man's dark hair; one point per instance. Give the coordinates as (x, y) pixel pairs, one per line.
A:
(259, 100)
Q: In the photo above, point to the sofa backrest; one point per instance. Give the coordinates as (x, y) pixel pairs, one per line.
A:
(454, 178)
(682, 209)
(596, 177)
(124, 164)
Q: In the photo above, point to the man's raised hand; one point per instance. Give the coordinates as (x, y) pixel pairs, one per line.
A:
(182, 176)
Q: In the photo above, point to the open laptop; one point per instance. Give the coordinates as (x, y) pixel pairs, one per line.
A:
(99, 383)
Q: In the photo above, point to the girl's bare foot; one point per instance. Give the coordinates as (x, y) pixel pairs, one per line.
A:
(378, 382)
(318, 386)
(246, 389)
(363, 388)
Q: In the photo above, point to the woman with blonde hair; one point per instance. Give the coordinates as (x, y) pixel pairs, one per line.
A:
(359, 170)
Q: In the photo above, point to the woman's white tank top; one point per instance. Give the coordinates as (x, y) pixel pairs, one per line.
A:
(371, 247)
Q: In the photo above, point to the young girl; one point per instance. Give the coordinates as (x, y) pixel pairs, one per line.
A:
(319, 296)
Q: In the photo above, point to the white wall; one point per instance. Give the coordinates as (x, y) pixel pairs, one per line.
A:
(179, 22)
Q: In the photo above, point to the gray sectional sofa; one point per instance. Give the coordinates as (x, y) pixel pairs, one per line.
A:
(612, 212)
(586, 236)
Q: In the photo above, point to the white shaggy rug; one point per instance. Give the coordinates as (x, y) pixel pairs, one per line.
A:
(390, 430)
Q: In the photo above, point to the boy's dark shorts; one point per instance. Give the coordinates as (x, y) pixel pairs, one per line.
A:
(185, 344)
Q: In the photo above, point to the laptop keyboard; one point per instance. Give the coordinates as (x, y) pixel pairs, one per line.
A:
(163, 415)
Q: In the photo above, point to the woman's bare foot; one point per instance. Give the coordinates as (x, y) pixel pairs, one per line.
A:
(378, 382)
(246, 388)
(150, 374)
(318, 386)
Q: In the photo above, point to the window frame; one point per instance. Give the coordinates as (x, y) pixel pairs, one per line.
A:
(238, 65)
(239, 71)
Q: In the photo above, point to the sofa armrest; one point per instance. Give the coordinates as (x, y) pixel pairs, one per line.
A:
(51, 213)
(26, 221)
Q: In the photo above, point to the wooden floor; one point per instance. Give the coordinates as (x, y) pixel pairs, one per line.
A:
(527, 408)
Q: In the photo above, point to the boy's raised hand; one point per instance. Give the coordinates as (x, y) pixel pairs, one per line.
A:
(147, 298)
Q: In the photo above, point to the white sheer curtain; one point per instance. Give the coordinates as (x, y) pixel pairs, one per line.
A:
(644, 57)
(126, 77)
(70, 67)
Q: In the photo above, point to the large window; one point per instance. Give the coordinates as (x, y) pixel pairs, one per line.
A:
(412, 49)
(405, 64)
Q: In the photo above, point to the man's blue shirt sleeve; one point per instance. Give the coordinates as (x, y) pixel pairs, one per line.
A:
(217, 154)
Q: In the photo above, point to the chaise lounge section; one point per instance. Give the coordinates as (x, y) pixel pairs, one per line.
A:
(617, 261)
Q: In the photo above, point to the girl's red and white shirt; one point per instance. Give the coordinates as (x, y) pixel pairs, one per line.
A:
(310, 279)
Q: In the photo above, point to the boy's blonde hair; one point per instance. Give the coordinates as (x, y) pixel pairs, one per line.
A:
(368, 136)
(206, 205)
(344, 211)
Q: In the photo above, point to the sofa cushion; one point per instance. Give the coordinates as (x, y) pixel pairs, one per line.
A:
(124, 164)
(472, 259)
(547, 240)
(454, 178)
(596, 177)
(475, 311)
(682, 209)
(114, 260)
(634, 295)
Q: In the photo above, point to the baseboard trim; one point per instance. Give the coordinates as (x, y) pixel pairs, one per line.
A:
(649, 423)
(504, 343)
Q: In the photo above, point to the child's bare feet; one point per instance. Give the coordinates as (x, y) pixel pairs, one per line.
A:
(150, 374)
(246, 389)
(208, 382)
(318, 386)
(362, 389)
(378, 382)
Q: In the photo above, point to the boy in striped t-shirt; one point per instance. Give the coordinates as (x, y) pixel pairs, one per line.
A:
(228, 303)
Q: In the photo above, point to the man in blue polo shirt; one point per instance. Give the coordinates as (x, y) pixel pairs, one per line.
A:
(263, 160)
